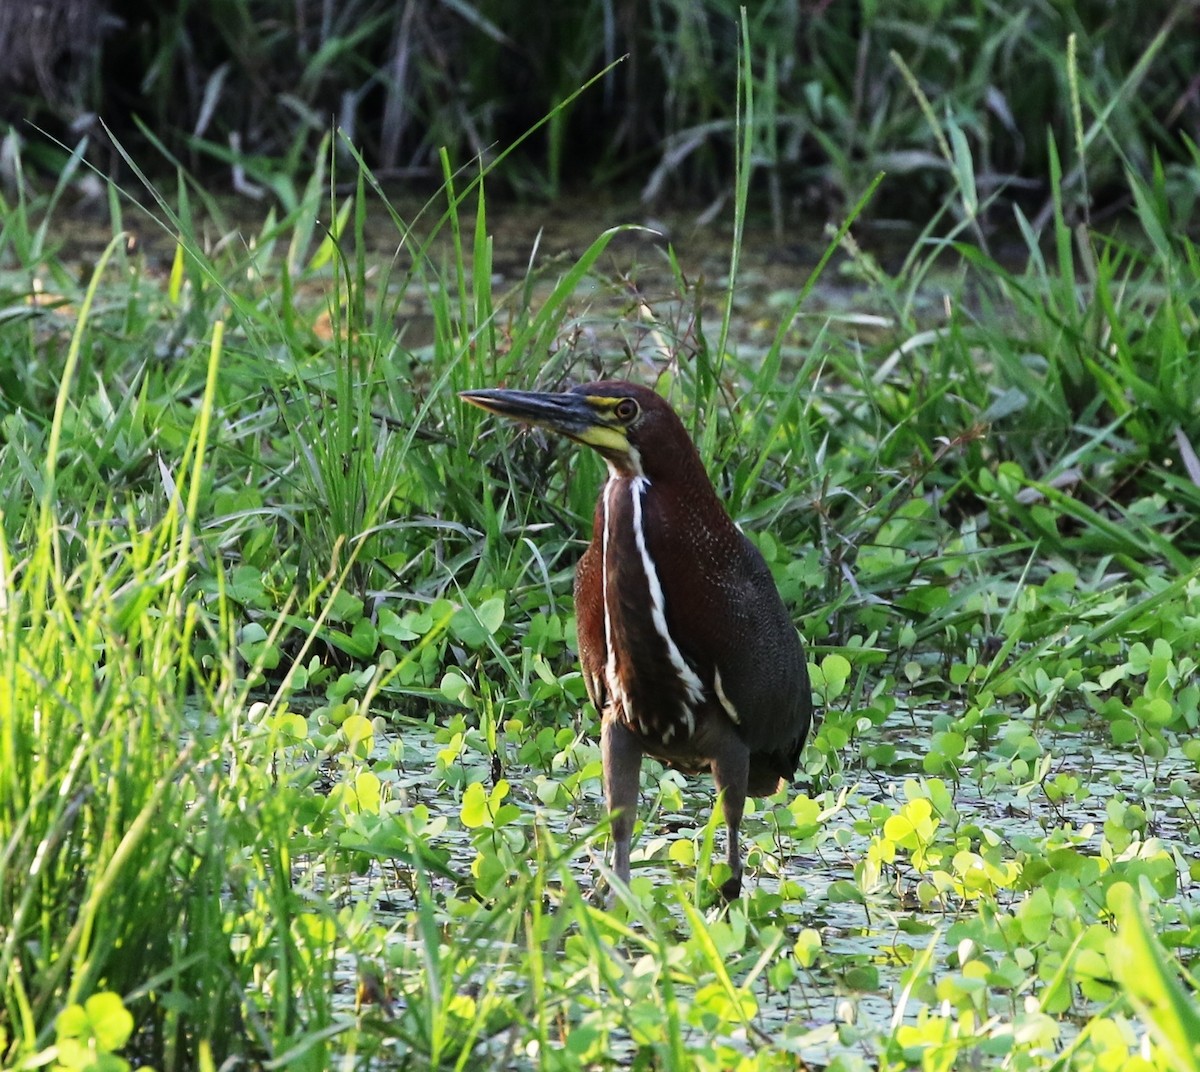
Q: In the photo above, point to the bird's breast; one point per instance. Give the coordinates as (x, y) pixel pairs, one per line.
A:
(653, 687)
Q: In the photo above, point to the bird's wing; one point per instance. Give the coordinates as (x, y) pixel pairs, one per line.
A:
(589, 625)
(727, 618)
(764, 674)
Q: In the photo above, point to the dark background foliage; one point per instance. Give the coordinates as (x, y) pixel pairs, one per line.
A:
(259, 82)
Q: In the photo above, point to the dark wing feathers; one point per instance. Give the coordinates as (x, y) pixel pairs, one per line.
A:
(764, 672)
(742, 627)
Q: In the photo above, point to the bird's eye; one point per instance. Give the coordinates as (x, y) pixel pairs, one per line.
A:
(626, 410)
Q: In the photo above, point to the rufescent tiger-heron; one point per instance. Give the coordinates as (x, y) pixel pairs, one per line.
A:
(686, 647)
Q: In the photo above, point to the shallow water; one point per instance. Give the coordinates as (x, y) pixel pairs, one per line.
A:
(819, 1016)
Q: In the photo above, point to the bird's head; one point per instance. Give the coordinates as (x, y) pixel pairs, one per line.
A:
(635, 430)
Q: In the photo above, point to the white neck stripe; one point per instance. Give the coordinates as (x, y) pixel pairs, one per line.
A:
(658, 609)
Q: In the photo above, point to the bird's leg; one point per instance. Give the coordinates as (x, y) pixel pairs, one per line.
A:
(621, 756)
(730, 769)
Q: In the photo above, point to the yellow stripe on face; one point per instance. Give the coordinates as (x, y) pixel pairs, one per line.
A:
(605, 437)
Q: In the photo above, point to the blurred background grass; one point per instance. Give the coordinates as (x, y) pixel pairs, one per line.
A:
(250, 88)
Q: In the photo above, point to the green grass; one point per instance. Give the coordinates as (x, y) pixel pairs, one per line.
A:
(295, 760)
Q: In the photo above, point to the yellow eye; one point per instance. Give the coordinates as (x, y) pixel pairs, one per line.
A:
(626, 410)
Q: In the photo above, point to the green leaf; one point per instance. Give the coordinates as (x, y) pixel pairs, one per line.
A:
(844, 890)
(361, 643)
(345, 607)
(394, 630)
(474, 625)
(474, 811)
(807, 948)
(456, 688)
(102, 1021)
(491, 614)
(359, 732)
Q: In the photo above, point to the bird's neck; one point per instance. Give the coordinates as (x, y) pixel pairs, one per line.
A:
(682, 479)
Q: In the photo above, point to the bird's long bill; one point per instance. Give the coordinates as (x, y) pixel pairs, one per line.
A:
(568, 414)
